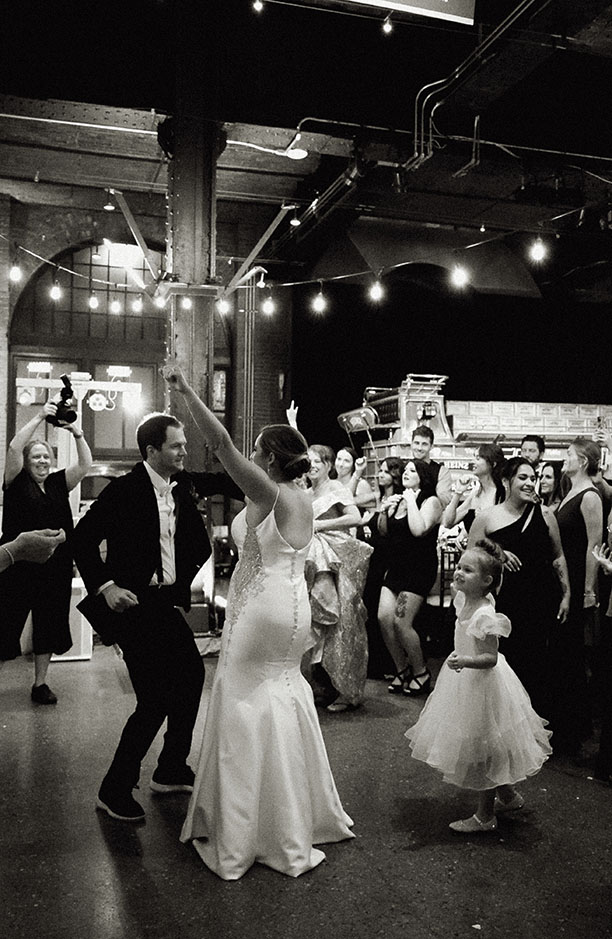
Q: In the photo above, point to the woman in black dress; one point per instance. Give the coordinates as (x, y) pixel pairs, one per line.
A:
(529, 594)
(36, 498)
(581, 525)
(389, 480)
(410, 523)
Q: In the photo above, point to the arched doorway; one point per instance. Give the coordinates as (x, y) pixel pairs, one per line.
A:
(120, 329)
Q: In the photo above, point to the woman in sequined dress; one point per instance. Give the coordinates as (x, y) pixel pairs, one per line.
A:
(264, 790)
(336, 571)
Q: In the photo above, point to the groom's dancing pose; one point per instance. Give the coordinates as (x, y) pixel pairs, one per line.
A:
(155, 542)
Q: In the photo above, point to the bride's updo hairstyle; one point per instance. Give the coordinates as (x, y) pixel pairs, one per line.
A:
(491, 560)
(288, 446)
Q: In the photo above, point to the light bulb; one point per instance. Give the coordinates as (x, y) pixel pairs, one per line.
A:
(538, 250)
(55, 292)
(482, 227)
(93, 302)
(296, 153)
(387, 26)
(223, 306)
(459, 276)
(186, 303)
(15, 273)
(376, 291)
(295, 222)
(137, 305)
(319, 303)
(115, 306)
(257, 6)
(268, 306)
(159, 303)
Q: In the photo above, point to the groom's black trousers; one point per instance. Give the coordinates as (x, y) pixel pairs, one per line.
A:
(167, 674)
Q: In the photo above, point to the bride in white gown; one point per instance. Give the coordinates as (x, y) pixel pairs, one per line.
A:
(264, 790)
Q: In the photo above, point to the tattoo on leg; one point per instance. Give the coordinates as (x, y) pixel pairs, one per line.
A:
(402, 603)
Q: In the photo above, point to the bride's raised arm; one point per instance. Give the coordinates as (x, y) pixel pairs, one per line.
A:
(254, 481)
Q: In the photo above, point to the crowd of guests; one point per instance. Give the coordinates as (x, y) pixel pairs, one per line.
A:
(328, 608)
(551, 522)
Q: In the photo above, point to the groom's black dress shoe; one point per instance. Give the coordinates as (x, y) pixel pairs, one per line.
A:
(120, 805)
(178, 781)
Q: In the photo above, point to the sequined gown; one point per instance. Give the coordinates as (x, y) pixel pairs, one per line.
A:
(264, 790)
(336, 571)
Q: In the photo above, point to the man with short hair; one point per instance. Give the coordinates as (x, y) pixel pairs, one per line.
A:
(532, 450)
(422, 442)
(156, 541)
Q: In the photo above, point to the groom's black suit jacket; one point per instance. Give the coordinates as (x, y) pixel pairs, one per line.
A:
(125, 515)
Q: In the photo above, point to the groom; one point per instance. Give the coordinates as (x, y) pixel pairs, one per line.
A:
(155, 542)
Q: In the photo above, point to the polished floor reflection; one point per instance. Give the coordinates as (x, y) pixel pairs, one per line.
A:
(69, 872)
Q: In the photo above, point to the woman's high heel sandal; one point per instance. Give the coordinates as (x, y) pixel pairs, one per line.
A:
(418, 685)
(399, 682)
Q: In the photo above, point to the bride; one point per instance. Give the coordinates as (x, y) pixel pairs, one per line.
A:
(263, 789)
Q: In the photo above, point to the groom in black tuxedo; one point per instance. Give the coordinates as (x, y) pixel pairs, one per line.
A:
(156, 541)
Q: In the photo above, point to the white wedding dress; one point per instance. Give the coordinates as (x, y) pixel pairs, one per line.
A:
(264, 790)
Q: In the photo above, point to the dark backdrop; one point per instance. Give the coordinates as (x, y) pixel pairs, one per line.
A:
(491, 347)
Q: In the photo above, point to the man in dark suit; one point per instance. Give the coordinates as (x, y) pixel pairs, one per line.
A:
(156, 541)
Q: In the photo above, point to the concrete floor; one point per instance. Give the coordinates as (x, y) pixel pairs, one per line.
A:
(69, 872)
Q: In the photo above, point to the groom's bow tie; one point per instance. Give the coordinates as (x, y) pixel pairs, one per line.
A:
(167, 489)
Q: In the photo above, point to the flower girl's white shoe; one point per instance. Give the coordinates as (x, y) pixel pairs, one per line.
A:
(473, 824)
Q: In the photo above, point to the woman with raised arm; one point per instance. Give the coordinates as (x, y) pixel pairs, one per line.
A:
(263, 790)
(37, 498)
(489, 490)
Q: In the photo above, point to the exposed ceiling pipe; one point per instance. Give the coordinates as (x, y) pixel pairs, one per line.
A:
(423, 149)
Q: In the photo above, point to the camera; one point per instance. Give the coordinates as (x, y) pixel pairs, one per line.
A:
(65, 414)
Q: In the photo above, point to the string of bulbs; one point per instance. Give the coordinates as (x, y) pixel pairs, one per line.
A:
(387, 25)
(459, 278)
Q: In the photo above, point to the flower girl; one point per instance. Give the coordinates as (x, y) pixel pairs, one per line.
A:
(478, 727)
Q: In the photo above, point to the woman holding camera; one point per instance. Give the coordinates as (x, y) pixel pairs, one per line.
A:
(36, 498)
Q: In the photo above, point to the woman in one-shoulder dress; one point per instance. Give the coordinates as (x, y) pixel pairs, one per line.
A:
(264, 791)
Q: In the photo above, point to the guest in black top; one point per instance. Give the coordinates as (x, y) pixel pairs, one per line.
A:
(36, 498)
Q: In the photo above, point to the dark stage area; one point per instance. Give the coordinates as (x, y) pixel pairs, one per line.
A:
(491, 347)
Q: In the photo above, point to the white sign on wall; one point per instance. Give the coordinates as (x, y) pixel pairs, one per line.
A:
(459, 11)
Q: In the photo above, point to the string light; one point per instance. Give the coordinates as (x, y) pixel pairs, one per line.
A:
(261, 282)
(387, 26)
(268, 307)
(15, 274)
(93, 302)
(295, 221)
(55, 293)
(257, 6)
(459, 276)
(186, 303)
(115, 306)
(319, 303)
(137, 304)
(376, 291)
(223, 306)
(538, 250)
(159, 302)
(482, 227)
